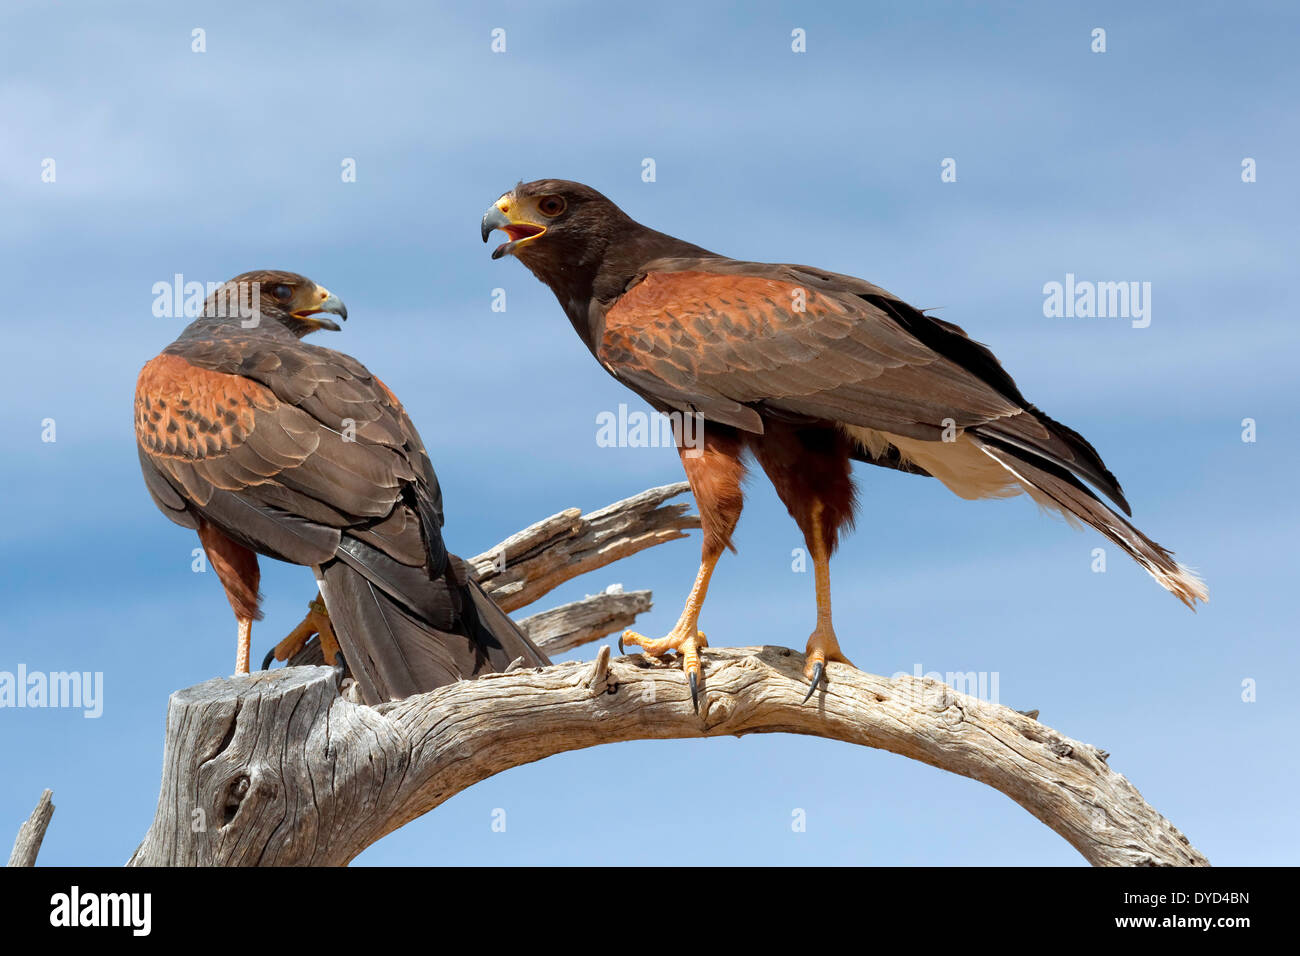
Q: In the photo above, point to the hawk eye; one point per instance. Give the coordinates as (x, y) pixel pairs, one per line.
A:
(282, 292)
(550, 206)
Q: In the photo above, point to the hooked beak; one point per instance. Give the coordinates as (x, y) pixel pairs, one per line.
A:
(512, 218)
(323, 301)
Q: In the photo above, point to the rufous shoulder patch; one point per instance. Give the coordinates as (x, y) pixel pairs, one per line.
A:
(183, 411)
(676, 292)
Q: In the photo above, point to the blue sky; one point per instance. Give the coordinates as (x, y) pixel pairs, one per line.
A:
(1115, 166)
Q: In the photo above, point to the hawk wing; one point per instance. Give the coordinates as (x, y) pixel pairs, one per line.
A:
(736, 341)
(283, 449)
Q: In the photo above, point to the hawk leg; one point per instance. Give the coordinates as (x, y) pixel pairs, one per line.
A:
(714, 469)
(685, 638)
(811, 471)
(823, 646)
(243, 643)
(236, 568)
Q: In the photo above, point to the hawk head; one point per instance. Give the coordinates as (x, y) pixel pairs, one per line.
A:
(553, 221)
(292, 300)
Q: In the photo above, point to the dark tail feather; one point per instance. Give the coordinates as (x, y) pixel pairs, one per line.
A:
(1037, 438)
(1055, 488)
(394, 653)
(499, 636)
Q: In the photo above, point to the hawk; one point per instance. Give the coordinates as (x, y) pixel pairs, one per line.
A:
(266, 445)
(808, 371)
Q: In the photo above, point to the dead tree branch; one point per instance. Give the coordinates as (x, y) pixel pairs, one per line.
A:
(277, 769)
(581, 622)
(543, 556)
(32, 833)
(286, 772)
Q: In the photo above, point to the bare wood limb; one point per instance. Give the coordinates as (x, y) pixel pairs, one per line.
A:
(543, 556)
(287, 772)
(277, 768)
(581, 622)
(32, 833)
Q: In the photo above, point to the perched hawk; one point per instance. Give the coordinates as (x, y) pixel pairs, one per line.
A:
(808, 370)
(266, 445)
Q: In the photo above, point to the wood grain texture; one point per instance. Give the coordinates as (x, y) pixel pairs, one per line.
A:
(581, 622)
(543, 556)
(286, 772)
(277, 768)
(32, 833)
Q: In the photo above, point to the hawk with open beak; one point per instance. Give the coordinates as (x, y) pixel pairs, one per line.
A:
(808, 371)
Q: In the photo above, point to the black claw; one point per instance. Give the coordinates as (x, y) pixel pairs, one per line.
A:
(340, 666)
(818, 669)
(620, 646)
(695, 691)
(266, 661)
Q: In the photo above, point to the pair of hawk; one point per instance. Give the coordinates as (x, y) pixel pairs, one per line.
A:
(244, 434)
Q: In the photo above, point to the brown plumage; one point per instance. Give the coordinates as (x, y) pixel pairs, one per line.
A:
(807, 369)
(266, 445)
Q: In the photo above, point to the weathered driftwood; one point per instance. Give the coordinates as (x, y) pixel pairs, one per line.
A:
(581, 622)
(278, 769)
(538, 559)
(284, 771)
(32, 833)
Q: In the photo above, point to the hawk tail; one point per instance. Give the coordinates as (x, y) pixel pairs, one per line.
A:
(1055, 488)
(439, 631)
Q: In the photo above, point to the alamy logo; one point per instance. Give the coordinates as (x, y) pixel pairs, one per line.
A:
(638, 429)
(181, 299)
(979, 684)
(1103, 300)
(82, 690)
(74, 908)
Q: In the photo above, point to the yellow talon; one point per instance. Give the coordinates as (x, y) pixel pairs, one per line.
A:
(317, 621)
(685, 642)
